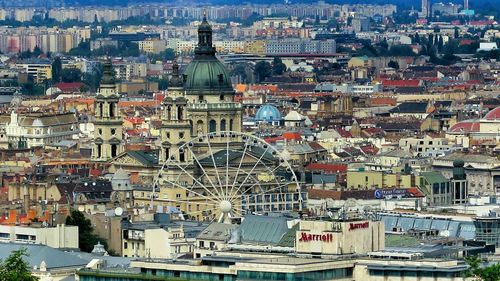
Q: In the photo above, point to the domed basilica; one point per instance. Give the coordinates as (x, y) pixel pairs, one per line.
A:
(209, 169)
(200, 101)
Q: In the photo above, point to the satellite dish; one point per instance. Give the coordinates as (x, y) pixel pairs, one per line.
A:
(118, 211)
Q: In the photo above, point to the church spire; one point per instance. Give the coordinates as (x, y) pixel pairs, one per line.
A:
(108, 77)
(175, 80)
(205, 46)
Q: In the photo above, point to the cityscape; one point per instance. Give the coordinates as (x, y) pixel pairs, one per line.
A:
(238, 141)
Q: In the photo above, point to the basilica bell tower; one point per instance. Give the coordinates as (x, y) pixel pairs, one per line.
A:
(108, 138)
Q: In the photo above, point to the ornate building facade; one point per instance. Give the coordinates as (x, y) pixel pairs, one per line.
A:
(108, 136)
(200, 101)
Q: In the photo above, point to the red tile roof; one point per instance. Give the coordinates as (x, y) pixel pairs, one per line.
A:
(494, 114)
(323, 194)
(343, 133)
(274, 139)
(325, 167)
(383, 101)
(70, 87)
(465, 127)
(369, 149)
(316, 146)
(135, 120)
(292, 136)
(401, 83)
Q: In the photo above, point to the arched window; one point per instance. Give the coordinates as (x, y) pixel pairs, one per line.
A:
(213, 126)
(223, 125)
(181, 156)
(180, 112)
(114, 150)
(169, 112)
(167, 153)
(100, 109)
(99, 151)
(111, 110)
(230, 124)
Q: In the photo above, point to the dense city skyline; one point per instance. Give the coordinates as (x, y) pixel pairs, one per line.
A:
(291, 141)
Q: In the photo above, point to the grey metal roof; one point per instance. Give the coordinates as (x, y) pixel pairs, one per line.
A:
(463, 229)
(217, 231)
(263, 229)
(53, 258)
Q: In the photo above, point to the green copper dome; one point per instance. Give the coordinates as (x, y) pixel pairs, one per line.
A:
(206, 75)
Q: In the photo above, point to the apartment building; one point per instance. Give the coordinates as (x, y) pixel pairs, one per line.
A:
(160, 238)
(60, 236)
(39, 69)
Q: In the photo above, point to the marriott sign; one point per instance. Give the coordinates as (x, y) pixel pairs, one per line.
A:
(306, 237)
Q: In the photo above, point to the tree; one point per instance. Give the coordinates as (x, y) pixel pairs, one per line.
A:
(82, 50)
(393, 64)
(487, 273)
(262, 70)
(440, 43)
(37, 52)
(86, 238)
(15, 268)
(240, 71)
(56, 70)
(69, 75)
(278, 66)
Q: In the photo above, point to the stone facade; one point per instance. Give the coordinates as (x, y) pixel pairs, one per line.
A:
(108, 122)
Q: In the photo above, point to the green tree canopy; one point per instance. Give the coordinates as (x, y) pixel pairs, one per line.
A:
(15, 268)
(484, 273)
(262, 70)
(69, 75)
(56, 70)
(87, 239)
(278, 66)
(240, 70)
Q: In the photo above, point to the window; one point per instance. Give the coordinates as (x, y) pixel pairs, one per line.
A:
(230, 124)
(125, 245)
(114, 150)
(181, 135)
(213, 126)
(221, 97)
(113, 131)
(180, 113)
(181, 156)
(99, 131)
(223, 125)
(111, 110)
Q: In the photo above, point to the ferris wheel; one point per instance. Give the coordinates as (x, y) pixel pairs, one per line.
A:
(225, 175)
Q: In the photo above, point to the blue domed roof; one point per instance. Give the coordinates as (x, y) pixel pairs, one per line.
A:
(268, 113)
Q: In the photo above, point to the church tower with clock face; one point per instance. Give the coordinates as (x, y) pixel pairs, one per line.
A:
(198, 102)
